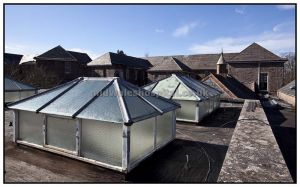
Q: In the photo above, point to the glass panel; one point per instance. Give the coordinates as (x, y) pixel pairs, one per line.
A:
(164, 128)
(166, 87)
(206, 107)
(104, 108)
(202, 110)
(102, 141)
(9, 84)
(199, 88)
(141, 138)
(187, 110)
(61, 133)
(159, 103)
(34, 103)
(12, 96)
(25, 94)
(74, 99)
(211, 104)
(136, 106)
(183, 94)
(31, 127)
(150, 86)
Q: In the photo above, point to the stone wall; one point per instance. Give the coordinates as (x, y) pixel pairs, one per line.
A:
(247, 73)
(253, 154)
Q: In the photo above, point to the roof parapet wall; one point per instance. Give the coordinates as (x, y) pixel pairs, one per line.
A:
(253, 154)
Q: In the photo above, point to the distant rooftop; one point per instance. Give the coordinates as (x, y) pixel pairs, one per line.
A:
(58, 53)
(111, 58)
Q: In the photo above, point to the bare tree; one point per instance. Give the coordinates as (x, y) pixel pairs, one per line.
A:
(289, 68)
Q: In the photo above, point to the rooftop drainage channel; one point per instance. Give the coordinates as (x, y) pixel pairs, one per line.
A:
(253, 154)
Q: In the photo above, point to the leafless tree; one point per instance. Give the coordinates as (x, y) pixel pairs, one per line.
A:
(289, 68)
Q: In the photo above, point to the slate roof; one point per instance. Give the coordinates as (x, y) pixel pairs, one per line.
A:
(81, 57)
(229, 85)
(105, 99)
(13, 85)
(289, 89)
(12, 59)
(58, 53)
(194, 62)
(111, 58)
(255, 53)
(170, 64)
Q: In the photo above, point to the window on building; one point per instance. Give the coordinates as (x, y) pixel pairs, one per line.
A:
(263, 81)
(68, 67)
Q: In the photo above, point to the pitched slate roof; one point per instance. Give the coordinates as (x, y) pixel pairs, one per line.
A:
(194, 62)
(13, 85)
(12, 59)
(170, 64)
(111, 58)
(289, 89)
(255, 53)
(58, 53)
(105, 99)
(81, 57)
(232, 87)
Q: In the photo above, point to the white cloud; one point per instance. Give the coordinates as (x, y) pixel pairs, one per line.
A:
(185, 29)
(90, 53)
(276, 42)
(283, 26)
(28, 57)
(15, 48)
(285, 7)
(240, 10)
(159, 30)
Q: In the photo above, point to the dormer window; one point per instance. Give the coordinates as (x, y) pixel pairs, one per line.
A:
(68, 67)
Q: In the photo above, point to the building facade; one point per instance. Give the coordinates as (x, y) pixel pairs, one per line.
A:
(258, 69)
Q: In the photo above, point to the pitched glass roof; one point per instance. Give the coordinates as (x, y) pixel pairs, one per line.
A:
(105, 99)
(182, 88)
(12, 85)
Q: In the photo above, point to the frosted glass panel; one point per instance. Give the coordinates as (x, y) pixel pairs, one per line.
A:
(164, 128)
(31, 127)
(102, 141)
(187, 110)
(150, 86)
(84, 91)
(211, 105)
(34, 103)
(12, 96)
(202, 110)
(159, 103)
(183, 93)
(25, 94)
(105, 108)
(142, 138)
(136, 106)
(61, 133)
(166, 87)
(206, 104)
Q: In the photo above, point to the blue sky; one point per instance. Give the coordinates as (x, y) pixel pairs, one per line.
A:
(152, 29)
